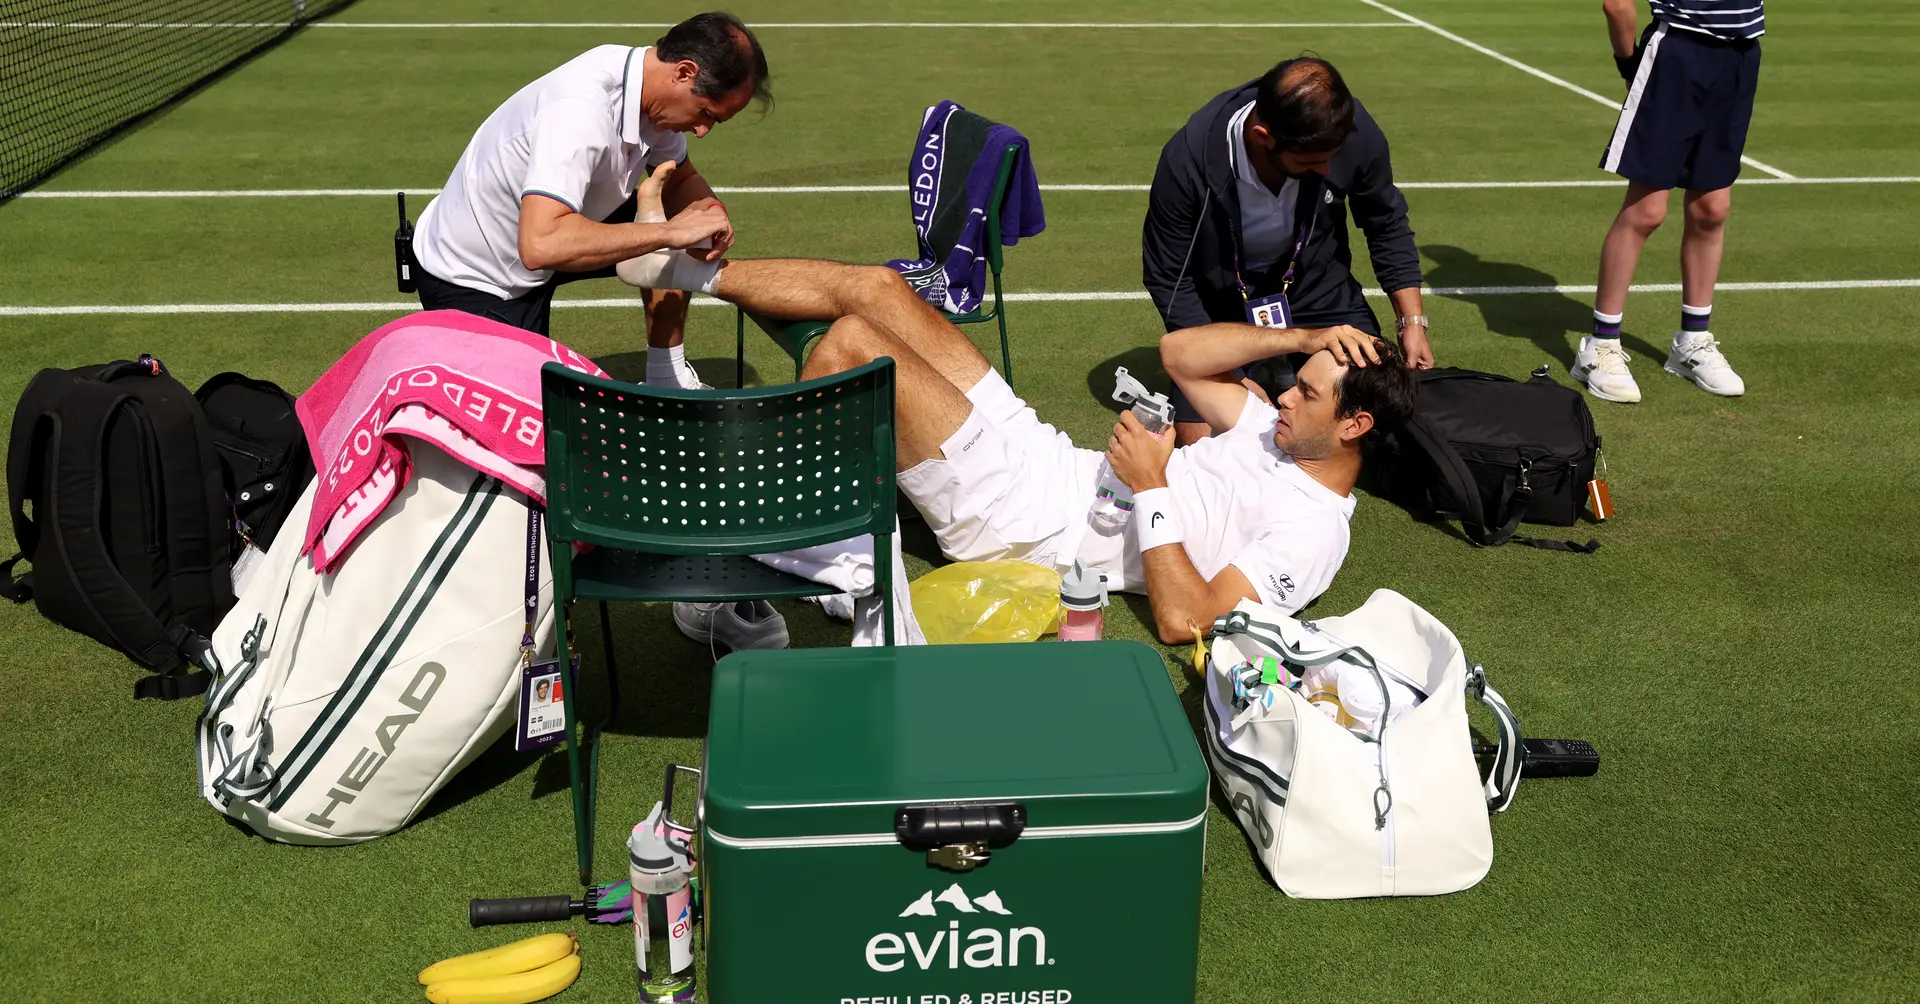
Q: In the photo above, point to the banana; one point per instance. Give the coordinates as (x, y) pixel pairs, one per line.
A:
(515, 957)
(520, 988)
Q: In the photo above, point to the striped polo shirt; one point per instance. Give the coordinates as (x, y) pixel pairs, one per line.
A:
(1732, 20)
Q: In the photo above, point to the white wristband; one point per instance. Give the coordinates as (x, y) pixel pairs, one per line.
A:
(1154, 521)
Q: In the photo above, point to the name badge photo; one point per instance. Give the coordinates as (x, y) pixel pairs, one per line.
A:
(1270, 312)
(543, 716)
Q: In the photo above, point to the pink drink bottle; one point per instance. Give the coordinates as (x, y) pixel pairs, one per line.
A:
(1082, 594)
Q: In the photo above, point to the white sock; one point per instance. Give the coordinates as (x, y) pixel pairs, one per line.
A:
(667, 367)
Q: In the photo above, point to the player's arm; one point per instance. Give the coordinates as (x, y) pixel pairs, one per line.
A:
(1174, 587)
(1622, 26)
(1179, 596)
(1202, 360)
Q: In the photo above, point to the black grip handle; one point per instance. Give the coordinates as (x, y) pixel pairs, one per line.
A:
(522, 910)
(923, 827)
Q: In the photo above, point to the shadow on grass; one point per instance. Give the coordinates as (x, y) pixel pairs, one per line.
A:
(1553, 322)
(1142, 363)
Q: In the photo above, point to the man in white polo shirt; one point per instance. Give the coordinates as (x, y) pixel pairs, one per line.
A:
(543, 194)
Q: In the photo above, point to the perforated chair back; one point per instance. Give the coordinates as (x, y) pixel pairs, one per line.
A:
(668, 471)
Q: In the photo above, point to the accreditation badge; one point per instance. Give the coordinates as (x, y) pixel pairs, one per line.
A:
(1270, 312)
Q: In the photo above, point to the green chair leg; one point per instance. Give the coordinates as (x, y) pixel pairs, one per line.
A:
(739, 348)
(582, 796)
(1000, 314)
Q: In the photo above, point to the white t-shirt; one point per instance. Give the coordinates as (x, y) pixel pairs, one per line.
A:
(576, 135)
(1266, 219)
(1244, 502)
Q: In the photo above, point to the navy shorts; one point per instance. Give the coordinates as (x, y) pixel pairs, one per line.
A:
(1684, 122)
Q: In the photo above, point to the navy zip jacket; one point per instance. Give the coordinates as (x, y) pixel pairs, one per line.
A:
(1193, 226)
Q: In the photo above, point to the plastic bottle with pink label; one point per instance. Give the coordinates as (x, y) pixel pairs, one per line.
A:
(1083, 594)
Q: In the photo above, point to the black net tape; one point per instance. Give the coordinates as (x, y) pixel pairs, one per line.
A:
(75, 72)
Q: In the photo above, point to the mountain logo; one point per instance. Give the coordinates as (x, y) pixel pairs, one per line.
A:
(956, 947)
(955, 897)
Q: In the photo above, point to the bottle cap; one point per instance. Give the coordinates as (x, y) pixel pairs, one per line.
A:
(656, 865)
(1083, 589)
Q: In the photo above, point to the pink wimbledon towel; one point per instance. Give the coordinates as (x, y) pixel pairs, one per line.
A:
(467, 384)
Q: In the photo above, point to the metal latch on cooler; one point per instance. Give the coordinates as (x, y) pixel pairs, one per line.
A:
(959, 836)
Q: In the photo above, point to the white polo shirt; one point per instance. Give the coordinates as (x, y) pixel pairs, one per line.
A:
(1266, 219)
(576, 135)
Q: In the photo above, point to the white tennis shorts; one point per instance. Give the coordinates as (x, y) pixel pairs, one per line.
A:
(1010, 485)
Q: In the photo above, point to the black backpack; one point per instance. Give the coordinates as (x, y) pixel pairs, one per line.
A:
(118, 499)
(1492, 452)
(262, 449)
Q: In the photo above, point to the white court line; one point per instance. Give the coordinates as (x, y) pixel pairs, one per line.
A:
(296, 193)
(756, 25)
(1076, 297)
(1542, 74)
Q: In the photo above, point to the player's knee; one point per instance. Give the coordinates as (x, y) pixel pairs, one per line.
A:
(879, 282)
(851, 341)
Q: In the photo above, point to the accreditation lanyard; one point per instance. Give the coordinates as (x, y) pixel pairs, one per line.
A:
(1303, 208)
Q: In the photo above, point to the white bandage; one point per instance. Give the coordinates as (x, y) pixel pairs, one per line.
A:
(668, 269)
(1154, 521)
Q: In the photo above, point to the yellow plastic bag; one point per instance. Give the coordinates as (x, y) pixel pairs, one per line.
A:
(983, 601)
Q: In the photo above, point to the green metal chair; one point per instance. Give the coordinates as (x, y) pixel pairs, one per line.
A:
(676, 488)
(795, 337)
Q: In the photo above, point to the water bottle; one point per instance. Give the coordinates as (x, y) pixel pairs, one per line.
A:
(1082, 593)
(1112, 499)
(660, 868)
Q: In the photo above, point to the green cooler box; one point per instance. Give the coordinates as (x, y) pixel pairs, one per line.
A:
(967, 824)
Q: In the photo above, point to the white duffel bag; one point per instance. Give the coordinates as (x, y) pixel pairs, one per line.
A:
(1334, 813)
(340, 703)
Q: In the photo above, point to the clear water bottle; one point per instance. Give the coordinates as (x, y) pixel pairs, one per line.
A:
(661, 869)
(1112, 499)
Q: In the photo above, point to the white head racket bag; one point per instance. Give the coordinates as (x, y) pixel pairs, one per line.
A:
(341, 703)
(1333, 814)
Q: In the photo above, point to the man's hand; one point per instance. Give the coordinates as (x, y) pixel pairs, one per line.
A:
(1350, 346)
(697, 223)
(722, 240)
(1138, 457)
(1413, 345)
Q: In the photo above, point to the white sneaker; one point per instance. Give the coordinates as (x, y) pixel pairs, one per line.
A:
(686, 379)
(732, 626)
(1696, 356)
(1601, 364)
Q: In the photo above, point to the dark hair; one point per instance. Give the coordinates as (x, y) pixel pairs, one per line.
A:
(1305, 105)
(1386, 390)
(726, 52)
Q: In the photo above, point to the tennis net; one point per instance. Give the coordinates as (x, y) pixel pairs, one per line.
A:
(75, 72)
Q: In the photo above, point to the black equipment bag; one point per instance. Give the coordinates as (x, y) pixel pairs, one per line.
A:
(262, 448)
(118, 500)
(1493, 452)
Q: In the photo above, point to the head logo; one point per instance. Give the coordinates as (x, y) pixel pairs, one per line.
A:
(985, 948)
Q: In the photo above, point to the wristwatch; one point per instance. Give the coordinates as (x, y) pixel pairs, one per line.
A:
(1410, 320)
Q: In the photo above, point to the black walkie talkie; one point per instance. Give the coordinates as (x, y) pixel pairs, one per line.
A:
(1552, 757)
(403, 248)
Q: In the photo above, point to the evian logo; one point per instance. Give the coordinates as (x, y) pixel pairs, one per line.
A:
(983, 948)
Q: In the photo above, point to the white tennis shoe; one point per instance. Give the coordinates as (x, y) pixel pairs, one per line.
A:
(1601, 364)
(732, 626)
(1696, 355)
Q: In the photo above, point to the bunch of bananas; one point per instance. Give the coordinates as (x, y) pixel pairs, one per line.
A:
(527, 970)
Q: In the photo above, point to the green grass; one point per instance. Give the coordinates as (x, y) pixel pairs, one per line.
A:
(1740, 649)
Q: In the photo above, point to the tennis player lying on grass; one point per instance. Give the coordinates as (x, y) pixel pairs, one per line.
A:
(1260, 510)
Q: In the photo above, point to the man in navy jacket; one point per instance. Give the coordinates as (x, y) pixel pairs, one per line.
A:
(1256, 186)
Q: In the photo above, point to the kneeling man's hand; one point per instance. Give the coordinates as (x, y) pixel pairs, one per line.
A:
(1138, 457)
(722, 239)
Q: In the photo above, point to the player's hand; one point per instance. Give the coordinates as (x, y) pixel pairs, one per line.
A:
(1138, 457)
(1350, 346)
(721, 241)
(1413, 345)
